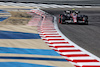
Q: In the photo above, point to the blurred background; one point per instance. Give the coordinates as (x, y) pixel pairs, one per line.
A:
(68, 2)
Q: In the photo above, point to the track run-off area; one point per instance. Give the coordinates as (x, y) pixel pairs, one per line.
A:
(21, 45)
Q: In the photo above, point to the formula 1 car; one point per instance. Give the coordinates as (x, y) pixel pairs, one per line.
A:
(73, 17)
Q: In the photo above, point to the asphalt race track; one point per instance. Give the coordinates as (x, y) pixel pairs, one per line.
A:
(86, 36)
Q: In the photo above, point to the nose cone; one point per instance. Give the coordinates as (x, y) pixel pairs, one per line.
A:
(75, 19)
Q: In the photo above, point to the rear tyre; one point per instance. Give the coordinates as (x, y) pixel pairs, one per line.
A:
(61, 19)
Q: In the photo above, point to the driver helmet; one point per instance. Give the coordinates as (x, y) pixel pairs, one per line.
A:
(73, 10)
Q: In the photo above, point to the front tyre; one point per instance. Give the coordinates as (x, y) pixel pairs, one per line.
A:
(85, 20)
(59, 20)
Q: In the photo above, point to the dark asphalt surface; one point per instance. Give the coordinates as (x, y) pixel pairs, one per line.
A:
(86, 36)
